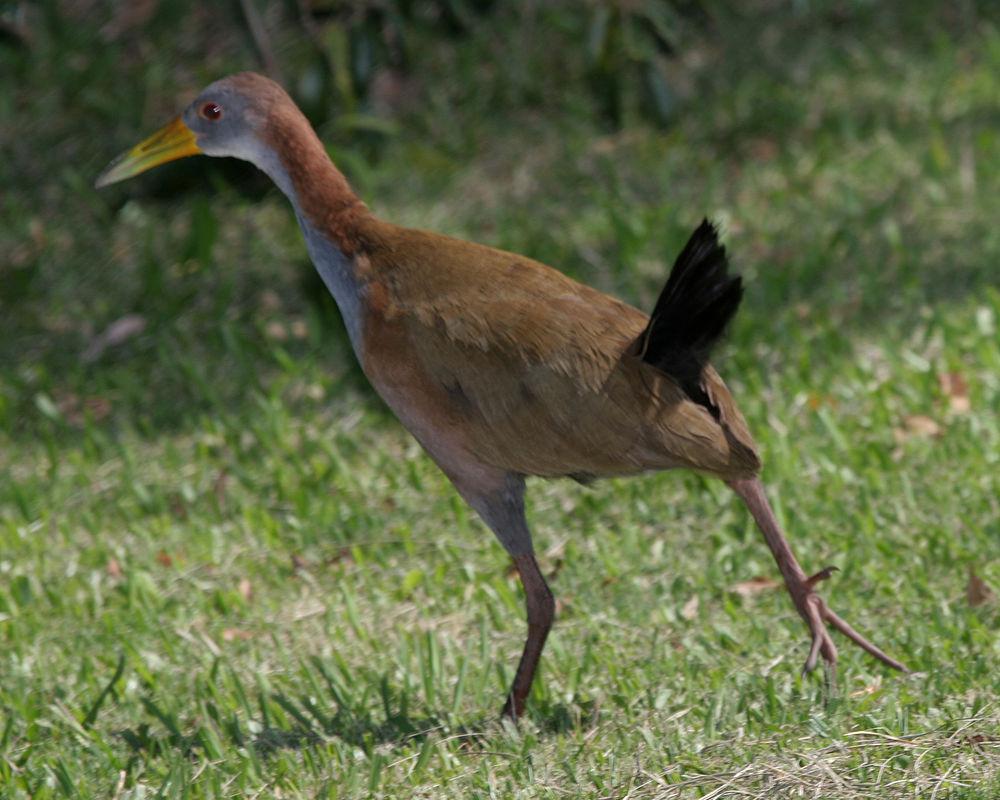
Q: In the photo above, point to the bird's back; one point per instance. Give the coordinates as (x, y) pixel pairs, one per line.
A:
(528, 370)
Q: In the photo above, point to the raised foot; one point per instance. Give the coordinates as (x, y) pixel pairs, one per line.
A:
(818, 615)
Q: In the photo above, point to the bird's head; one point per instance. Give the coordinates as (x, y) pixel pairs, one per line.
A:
(232, 117)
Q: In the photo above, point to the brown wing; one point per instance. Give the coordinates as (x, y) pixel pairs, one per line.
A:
(536, 368)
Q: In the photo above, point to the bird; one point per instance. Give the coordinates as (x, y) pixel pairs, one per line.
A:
(503, 368)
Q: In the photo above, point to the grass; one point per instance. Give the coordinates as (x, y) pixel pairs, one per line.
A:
(225, 571)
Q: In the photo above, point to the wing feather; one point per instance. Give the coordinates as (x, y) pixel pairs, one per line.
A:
(541, 367)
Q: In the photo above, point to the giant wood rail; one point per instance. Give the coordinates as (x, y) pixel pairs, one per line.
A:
(500, 366)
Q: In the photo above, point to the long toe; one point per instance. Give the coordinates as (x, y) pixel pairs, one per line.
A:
(818, 615)
(822, 644)
(861, 641)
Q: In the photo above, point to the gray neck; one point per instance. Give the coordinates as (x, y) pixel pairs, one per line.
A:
(333, 266)
(336, 271)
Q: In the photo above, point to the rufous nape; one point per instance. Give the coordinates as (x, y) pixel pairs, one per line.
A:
(502, 367)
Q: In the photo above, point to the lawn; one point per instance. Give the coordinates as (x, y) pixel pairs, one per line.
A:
(227, 571)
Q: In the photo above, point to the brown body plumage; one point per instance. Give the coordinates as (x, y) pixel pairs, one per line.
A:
(535, 373)
(501, 366)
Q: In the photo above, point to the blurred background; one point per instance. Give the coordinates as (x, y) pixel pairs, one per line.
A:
(848, 147)
(201, 500)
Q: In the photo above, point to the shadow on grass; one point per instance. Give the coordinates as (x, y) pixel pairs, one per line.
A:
(268, 738)
(310, 726)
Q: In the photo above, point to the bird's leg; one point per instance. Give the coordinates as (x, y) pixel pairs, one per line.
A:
(801, 587)
(541, 613)
(499, 500)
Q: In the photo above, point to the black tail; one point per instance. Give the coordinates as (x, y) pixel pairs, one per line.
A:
(692, 312)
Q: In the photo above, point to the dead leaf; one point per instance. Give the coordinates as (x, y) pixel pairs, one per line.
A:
(97, 407)
(690, 609)
(232, 634)
(245, 589)
(343, 554)
(919, 426)
(68, 403)
(77, 410)
(954, 387)
(871, 688)
(817, 401)
(754, 586)
(977, 593)
(113, 568)
(117, 333)
(276, 330)
(269, 300)
(763, 149)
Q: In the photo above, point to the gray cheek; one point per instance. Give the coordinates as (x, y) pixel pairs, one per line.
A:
(219, 142)
(191, 119)
(212, 147)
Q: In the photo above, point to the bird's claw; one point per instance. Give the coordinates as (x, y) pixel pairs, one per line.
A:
(822, 575)
(818, 616)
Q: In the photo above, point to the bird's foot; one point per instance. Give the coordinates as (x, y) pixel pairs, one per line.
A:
(513, 708)
(818, 616)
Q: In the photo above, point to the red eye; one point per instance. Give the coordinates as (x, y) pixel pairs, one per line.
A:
(211, 111)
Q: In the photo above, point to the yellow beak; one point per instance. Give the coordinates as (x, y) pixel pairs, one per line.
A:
(174, 140)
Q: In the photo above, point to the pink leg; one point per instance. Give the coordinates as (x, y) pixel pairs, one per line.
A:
(809, 604)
